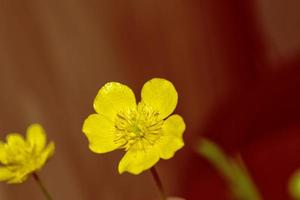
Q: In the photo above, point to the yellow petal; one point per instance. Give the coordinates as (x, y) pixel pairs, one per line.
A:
(171, 140)
(100, 133)
(36, 137)
(15, 141)
(18, 179)
(45, 155)
(3, 154)
(5, 174)
(160, 95)
(137, 160)
(112, 98)
(49, 150)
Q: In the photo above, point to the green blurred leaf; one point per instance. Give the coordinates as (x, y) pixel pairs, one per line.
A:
(294, 185)
(233, 170)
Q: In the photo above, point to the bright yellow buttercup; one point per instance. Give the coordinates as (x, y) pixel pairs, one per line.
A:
(143, 130)
(20, 157)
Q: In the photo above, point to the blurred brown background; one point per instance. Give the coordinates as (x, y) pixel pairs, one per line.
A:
(235, 65)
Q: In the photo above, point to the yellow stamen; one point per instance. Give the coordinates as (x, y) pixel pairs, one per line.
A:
(141, 125)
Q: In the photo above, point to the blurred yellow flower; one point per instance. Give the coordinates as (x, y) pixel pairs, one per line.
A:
(142, 130)
(20, 157)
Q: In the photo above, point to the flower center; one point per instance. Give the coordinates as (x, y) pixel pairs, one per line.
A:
(138, 127)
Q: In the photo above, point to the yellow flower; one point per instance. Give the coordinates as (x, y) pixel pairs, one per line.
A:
(142, 130)
(20, 157)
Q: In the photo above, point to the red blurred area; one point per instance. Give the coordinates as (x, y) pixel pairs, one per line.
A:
(262, 124)
(260, 119)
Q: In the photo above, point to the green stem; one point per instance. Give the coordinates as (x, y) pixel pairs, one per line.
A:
(42, 187)
(158, 183)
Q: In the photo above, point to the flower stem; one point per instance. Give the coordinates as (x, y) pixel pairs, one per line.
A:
(158, 183)
(42, 187)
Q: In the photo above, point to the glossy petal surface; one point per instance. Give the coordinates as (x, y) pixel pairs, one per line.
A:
(171, 140)
(161, 95)
(100, 133)
(112, 98)
(137, 160)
